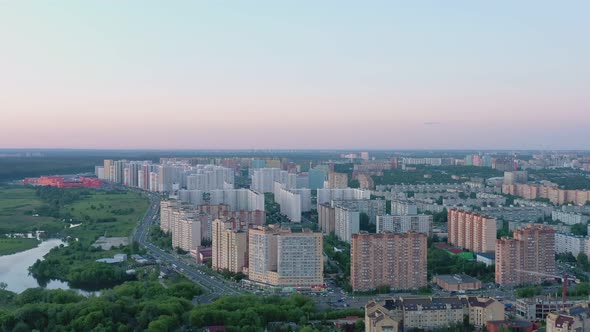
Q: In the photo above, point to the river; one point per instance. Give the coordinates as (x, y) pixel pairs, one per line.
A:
(14, 269)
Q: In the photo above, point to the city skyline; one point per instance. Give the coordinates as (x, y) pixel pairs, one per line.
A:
(286, 76)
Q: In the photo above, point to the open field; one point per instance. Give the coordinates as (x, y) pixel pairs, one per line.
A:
(10, 246)
(111, 212)
(17, 206)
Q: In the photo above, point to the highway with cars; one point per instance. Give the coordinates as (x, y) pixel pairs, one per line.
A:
(213, 286)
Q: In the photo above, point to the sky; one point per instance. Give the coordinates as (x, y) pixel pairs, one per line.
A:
(295, 74)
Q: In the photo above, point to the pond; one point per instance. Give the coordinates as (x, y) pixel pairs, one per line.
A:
(14, 269)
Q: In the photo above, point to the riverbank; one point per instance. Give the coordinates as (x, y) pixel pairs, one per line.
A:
(9, 246)
(14, 269)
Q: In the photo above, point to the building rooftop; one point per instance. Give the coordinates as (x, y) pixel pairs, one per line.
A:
(456, 279)
(488, 255)
(431, 303)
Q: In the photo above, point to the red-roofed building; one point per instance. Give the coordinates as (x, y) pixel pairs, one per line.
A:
(204, 255)
(62, 182)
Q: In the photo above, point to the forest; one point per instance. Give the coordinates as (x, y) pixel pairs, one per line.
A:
(147, 305)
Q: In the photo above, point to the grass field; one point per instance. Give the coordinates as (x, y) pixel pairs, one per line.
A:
(16, 204)
(10, 246)
(114, 213)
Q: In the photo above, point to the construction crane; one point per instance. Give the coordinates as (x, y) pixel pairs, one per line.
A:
(564, 279)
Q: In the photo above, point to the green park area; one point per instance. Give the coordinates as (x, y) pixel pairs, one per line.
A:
(18, 212)
(53, 210)
(100, 213)
(10, 246)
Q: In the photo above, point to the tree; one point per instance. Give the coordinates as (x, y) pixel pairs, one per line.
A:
(365, 224)
(582, 260)
(359, 325)
(580, 229)
(440, 217)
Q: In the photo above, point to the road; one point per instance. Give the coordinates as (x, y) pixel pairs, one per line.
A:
(213, 286)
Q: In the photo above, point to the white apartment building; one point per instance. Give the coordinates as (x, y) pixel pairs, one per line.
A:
(401, 208)
(209, 177)
(347, 222)
(263, 179)
(194, 197)
(569, 218)
(238, 199)
(565, 243)
(420, 223)
(372, 207)
(422, 161)
(326, 195)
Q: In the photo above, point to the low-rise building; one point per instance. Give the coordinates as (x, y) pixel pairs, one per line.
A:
(488, 258)
(456, 282)
(407, 314)
(574, 319)
(538, 308)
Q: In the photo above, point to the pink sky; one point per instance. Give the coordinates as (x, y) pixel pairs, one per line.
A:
(205, 76)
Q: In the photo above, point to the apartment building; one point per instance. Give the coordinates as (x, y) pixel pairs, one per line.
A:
(293, 201)
(279, 257)
(471, 231)
(337, 180)
(554, 194)
(229, 247)
(346, 221)
(388, 259)
(326, 195)
(186, 230)
(420, 223)
(567, 243)
(569, 218)
(326, 218)
(401, 207)
(166, 208)
(238, 199)
(527, 258)
(514, 177)
(372, 207)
